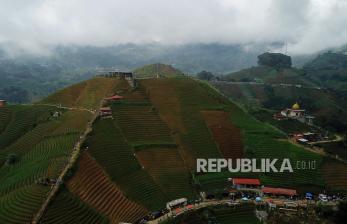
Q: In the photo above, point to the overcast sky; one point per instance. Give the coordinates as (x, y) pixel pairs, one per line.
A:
(307, 25)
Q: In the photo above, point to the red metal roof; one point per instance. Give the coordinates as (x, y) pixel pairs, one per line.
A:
(115, 97)
(248, 181)
(279, 191)
(190, 206)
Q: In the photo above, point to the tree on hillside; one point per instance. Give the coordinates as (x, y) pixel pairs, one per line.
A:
(276, 60)
(205, 75)
(341, 215)
(11, 159)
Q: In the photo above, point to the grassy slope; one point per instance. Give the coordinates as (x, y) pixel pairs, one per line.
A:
(151, 71)
(85, 94)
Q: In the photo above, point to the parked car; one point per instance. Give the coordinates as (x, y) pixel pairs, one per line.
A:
(309, 196)
(322, 197)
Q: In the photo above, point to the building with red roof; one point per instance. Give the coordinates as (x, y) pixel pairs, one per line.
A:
(245, 183)
(105, 111)
(113, 98)
(279, 191)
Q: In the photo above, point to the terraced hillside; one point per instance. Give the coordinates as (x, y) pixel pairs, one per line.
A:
(35, 145)
(138, 134)
(141, 157)
(259, 140)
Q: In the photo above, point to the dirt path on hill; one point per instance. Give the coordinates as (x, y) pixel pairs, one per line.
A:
(337, 139)
(64, 107)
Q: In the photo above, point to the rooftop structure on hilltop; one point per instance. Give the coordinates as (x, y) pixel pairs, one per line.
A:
(116, 74)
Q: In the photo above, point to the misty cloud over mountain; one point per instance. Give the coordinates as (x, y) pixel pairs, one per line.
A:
(38, 25)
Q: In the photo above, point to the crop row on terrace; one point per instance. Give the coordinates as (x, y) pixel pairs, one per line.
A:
(92, 186)
(109, 147)
(22, 119)
(244, 215)
(226, 135)
(141, 124)
(20, 205)
(68, 209)
(334, 173)
(168, 170)
(5, 117)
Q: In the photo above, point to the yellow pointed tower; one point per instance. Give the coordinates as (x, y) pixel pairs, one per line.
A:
(296, 106)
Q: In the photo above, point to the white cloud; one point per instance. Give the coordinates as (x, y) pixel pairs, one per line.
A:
(307, 25)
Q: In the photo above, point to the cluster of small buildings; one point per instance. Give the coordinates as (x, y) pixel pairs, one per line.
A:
(106, 112)
(306, 137)
(119, 75)
(249, 186)
(254, 185)
(295, 112)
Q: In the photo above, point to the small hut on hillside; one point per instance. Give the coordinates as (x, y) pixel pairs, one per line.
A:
(2, 103)
(113, 98)
(105, 112)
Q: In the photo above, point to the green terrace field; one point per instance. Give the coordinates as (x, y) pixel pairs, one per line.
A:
(34, 145)
(67, 209)
(17, 120)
